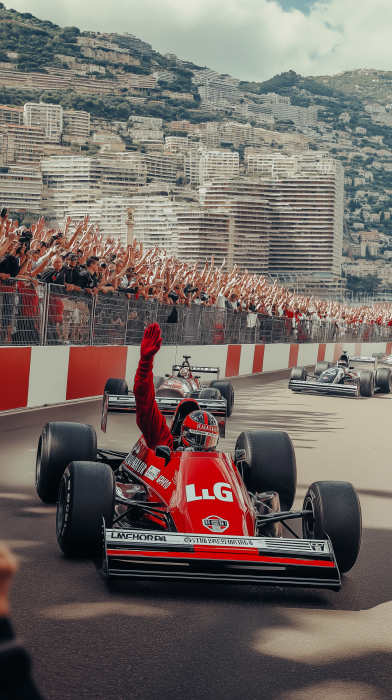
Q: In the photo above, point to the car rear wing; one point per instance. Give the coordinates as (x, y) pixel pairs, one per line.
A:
(320, 388)
(268, 561)
(203, 370)
(167, 405)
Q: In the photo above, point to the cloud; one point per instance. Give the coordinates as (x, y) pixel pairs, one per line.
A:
(249, 39)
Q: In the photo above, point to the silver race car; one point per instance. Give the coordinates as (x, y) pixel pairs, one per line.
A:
(344, 379)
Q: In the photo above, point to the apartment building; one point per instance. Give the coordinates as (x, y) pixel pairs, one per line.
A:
(68, 180)
(21, 188)
(147, 122)
(138, 82)
(110, 213)
(202, 165)
(300, 116)
(146, 134)
(7, 148)
(177, 144)
(164, 76)
(11, 115)
(130, 42)
(46, 116)
(76, 126)
(28, 143)
(187, 96)
(235, 133)
(249, 211)
(302, 229)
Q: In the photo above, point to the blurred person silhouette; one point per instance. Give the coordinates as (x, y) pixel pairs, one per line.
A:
(15, 678)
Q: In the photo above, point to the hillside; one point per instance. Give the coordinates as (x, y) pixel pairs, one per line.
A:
(354, 107)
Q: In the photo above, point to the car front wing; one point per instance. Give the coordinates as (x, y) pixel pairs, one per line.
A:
(267, 561)
(320, 388)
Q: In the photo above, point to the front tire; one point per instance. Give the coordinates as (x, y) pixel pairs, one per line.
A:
(226, 390)
(59, 444)
(269, 463)
(384, 380)
(337, 513)
(116, 387)
(366, 383)
(299, 374)
(320, 367)
(86, 495)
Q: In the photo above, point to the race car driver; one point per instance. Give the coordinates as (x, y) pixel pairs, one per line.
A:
(199, 430)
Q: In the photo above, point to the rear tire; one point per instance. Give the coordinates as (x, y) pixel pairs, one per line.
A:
(158, 381)
(209, 394)
(226, 390)
(384, 380)
(366, 383)
(86, 495)
(59, 444)
(116, 387)
(299, 374)
(320, 367)
(269, 463)
(337, 513)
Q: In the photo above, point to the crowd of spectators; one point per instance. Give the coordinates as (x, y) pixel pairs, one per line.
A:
(82, 261)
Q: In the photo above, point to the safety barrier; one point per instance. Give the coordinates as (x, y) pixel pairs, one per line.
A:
(38, 376)
(32, 313)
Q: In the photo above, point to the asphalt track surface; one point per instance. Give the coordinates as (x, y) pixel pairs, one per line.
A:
(147, 640)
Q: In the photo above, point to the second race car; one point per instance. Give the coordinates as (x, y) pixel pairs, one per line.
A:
(344, 379)
(182, 383)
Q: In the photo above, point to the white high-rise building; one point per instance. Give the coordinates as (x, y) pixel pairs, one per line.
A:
(202, 165)
(21, 188)
(74, 180)
(46, 116)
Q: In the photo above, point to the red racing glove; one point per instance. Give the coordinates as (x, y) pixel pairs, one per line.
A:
(152, 341)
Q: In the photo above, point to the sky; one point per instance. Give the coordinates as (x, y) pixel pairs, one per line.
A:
(248, 39)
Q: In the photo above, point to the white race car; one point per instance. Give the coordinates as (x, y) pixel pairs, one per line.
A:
(343, 378)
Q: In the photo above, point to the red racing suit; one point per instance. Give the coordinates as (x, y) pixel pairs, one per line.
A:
(148, 416)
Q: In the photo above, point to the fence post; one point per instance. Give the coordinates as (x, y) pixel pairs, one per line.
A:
(45, 309)
(126, 323)
(92, 318)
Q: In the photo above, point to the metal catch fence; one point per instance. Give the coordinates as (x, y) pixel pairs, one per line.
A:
(32, 313)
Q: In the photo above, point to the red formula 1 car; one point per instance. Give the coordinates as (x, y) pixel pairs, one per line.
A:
(170, 390)
(206, 516)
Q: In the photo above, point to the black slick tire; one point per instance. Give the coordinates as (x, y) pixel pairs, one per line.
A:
(320, 367)
(116, 387)
(384, 380)
(59, 444)
(337, 513)
(269, 464)
(366, 383)
(299, 374)
(158, 381)
(226, 390)
(209, 394)
(86, 495)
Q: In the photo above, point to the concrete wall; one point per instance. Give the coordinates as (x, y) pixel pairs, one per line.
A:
(36, 376)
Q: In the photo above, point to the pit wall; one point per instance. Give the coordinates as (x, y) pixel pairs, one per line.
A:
(38, 376)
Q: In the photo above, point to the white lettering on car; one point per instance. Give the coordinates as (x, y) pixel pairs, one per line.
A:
(162, 481)
(222, 492)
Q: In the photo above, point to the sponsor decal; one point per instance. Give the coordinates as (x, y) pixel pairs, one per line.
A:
(119, 492)
(135, 536)
(199, 539)
(208, 428)
(221, 492)
(152, 473)
(215, 524)
(162, 481)
(136, 464)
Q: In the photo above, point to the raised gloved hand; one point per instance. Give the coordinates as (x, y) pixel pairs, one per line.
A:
(152, 341)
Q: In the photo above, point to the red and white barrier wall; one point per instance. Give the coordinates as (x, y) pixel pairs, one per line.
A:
(38, 376)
